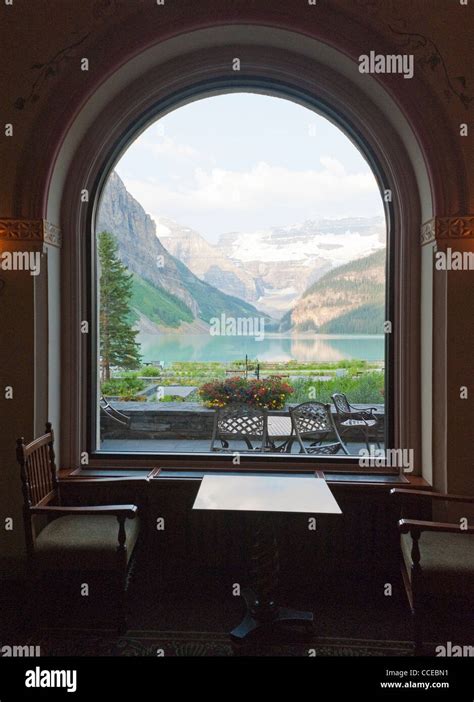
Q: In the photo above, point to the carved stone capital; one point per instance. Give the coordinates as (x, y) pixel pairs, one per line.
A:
(30, 230)
(428, 232)
(52, 234)
(448, 229)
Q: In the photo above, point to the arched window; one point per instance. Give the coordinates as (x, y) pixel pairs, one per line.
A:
(240, 266)
(171, 75)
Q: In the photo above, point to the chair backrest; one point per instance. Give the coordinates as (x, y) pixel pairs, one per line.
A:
(341, 403)
(38, 468)
(241, 421)
(312, 418)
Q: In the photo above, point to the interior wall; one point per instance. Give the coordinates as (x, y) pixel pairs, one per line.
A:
(459, 376)
(17, 415)
(426, 113)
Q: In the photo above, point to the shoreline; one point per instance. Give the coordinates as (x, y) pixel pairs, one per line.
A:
(268, 335)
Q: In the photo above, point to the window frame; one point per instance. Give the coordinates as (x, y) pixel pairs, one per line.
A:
(297, 463)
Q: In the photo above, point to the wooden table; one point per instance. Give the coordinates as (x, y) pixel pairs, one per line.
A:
(261, 497)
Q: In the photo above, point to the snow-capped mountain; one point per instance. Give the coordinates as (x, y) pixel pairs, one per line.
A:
(181, 280)
(166, 294)
(206, 261)
(287, 260)
(272, 268)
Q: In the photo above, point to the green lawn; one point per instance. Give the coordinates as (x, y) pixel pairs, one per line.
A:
(361, 383)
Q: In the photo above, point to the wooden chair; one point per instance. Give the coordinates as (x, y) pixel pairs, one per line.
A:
(83, 538)
(437, 559)
(312, 423)
(351, 418)
(242, 424)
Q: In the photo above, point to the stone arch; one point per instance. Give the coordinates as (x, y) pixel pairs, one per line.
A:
(275, 61)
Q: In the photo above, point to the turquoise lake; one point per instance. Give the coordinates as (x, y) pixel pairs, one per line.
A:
(167, 348)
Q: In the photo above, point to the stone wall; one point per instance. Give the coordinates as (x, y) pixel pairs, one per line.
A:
(175, 420)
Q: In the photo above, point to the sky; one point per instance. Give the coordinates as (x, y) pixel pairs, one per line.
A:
(244, 162)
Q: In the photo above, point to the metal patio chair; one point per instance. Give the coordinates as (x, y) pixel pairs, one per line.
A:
(312, 424)
(239, 423)
(351, 418)
(107, 410)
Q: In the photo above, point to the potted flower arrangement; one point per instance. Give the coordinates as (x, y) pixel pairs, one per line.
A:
(266, 393)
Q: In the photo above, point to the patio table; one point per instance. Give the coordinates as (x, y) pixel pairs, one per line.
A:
(280, 428)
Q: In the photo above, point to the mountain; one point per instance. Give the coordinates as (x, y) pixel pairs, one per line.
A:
(206, 261)
(328, 273)
(349, 299)
(166, 294)
(286, 261)
(273, 268)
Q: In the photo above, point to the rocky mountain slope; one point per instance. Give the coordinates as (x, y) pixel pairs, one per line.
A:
(273, 268)
(166, 294)
(326, 276)
(287, 260)
(206, 261)
(348, 300)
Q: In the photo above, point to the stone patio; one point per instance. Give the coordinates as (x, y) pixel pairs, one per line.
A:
(189, 446)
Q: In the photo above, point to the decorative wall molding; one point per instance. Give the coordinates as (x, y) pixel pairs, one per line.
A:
(447, 228)
(52, 234)
(24, 230)
(21, 229)
(455, 227)
(428, 232)
(428, 54)
(46, 71)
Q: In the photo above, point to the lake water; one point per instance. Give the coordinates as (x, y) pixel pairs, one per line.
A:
(167, 348)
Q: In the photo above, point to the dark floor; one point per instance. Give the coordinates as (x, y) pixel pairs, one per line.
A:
(346, 607)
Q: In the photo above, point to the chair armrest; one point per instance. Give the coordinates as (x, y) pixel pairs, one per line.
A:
(432, 495)
(408, 525)
(360, 414)
(124, 511)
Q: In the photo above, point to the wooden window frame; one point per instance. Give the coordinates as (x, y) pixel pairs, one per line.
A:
(282, 74)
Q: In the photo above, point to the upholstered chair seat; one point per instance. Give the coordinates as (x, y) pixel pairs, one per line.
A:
(447, 561)
(85, 542)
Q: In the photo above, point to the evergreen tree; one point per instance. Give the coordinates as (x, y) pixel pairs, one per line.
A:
(118, 345)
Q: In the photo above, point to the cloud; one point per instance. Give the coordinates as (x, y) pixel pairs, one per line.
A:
(264, 186)
(332, 165)
(156, 143)
(170, 147)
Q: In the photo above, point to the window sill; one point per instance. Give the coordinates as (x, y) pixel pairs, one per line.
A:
(179, 474)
